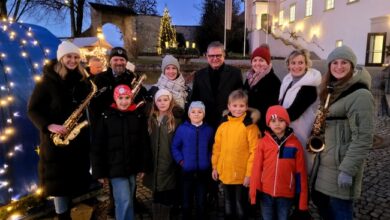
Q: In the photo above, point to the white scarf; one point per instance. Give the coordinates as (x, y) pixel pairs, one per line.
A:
(177, 87)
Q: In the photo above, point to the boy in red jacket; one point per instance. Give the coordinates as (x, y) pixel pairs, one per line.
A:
(279, 170)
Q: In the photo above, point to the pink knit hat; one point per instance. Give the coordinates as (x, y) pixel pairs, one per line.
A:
(122, 90)
(277, 111)
(263, 52)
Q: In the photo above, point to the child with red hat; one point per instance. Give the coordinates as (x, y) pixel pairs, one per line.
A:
(279, 170)
(121, 150)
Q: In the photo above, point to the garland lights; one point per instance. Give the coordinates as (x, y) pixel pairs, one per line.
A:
(16, 208)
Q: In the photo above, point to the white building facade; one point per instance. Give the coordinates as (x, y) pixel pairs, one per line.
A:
(320, 26)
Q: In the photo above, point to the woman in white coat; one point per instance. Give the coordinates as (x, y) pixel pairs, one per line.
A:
(299, 95)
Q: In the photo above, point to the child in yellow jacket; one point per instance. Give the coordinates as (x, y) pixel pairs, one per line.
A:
(233, 151)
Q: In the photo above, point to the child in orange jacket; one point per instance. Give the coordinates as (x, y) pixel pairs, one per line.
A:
(279, 170)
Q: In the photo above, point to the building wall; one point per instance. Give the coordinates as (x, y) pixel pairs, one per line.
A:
(349, 22)
(189, 32)
(148, 28)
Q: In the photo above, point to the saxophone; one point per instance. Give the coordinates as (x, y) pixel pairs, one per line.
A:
(316, 142)
(71, 124)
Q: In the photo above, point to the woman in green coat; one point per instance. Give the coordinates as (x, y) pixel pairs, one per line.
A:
(348, 135)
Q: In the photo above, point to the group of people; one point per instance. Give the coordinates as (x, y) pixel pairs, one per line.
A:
(248, 135)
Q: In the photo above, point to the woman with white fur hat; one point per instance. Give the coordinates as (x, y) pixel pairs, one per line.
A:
(63, 171)
(172, 80)
(338, 169)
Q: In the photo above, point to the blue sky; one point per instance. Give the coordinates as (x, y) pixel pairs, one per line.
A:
(183, 12)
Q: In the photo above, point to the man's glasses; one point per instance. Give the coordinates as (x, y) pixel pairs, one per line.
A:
(214, 56)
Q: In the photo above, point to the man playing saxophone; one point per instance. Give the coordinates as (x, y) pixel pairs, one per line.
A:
(63, 171)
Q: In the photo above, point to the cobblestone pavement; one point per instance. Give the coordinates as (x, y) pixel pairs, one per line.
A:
(375, 200)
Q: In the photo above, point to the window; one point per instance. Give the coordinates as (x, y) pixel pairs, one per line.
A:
(329, 4)
(292, 13)
(339, 43)
(309, 8)
(281, 17)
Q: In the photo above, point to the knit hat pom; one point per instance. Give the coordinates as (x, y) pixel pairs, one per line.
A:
(263, 52)
(197, 104)
(122, 90)
(170, 60)
(277, 111)
(162, 92)
(118, 52)
(66, 47)
(343, 52)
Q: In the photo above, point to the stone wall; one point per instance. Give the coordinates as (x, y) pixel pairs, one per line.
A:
(189, 32)
(148, 28)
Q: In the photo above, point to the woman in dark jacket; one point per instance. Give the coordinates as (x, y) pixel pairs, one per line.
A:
(261, 84)
(63, 170)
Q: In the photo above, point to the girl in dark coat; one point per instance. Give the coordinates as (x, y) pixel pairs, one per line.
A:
(63, 171)
(261, 84)
(163, 121)
(120, 150)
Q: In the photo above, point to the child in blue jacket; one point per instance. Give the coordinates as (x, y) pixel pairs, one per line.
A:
(191, 149)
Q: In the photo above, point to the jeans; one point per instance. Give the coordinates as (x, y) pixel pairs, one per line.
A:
(194, 185)
(61, 204)
(331, 208)
(236, 201)
(123, 190)
(275, 208)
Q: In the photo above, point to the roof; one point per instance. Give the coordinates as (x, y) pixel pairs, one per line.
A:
(91, 42)
(113, 9)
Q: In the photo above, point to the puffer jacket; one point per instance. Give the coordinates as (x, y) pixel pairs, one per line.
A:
(234, 146)
(121, 145)
(192, 145)
(348, 137)
(279, 169)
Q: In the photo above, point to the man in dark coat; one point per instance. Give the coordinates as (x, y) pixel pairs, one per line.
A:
(106, 81)
(213, 84)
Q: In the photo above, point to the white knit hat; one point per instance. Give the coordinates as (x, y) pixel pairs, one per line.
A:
(162, 92)
(66, 47)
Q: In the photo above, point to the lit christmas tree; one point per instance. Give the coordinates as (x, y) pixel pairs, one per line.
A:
(167, 34)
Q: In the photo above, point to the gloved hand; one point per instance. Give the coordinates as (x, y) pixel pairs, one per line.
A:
(344, 180)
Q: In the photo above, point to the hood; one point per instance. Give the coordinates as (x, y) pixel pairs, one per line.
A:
(311, 78)
(252, 116)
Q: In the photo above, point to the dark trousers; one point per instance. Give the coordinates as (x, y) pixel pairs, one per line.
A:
(236, 201)
(331, 208)
(194, 186)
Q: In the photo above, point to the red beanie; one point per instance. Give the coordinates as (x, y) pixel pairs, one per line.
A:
(263, 52)
(122, 90)
(277, 111)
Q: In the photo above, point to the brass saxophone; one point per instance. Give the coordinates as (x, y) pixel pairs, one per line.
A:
(316, 142)
(136, 86)
(71, 124)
